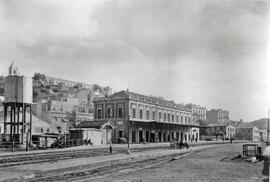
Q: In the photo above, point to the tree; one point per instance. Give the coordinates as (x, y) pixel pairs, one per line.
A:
(39, 77)
(36, 92)
(60, 85)
(44, 90)
(78, 86)
(56, 89)
(48, 87)
(107, 90)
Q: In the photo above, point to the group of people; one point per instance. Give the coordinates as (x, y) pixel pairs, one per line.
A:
(88, 142)
(179, 144)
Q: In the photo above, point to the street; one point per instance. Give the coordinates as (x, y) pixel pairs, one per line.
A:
(202, 164)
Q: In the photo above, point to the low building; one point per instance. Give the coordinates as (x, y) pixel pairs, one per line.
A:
(247, 133)
(66, 83)
(195, 134)
(56, 112)
(217, 131)
(263, 135)
(230, 131)
(96, 132)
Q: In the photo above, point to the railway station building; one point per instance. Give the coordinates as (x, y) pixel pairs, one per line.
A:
(141, 118)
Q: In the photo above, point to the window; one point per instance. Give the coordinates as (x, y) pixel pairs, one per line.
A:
(120, 112)
(164, 115)
(169, 117)
(141, 113)
(99, 113)
(89, 110)
(172, 118)
(134, 113)
(62, 107)
(189, 120)
(109, 112)
(177, 118)
(159, 115)
(48, 107)
(185, 119)
(147, 114)
(181, 119)
(153, 115)
(120, 134)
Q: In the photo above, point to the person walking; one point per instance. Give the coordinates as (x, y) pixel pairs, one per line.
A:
(110, 148)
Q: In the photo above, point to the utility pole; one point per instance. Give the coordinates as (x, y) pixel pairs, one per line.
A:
(128, 129)
(267, 143)
(107, 137)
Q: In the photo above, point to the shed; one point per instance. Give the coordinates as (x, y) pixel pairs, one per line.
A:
(99, 132)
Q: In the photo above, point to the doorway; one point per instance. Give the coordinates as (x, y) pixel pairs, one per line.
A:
(140, 136)
(159, 136)
(120, 134)
(164, 137)
(147, 136)
(152, 139)
(133, 137)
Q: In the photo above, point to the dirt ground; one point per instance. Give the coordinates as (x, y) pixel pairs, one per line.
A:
(205, 164)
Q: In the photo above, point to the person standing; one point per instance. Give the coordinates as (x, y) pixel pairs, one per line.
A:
(110, 148)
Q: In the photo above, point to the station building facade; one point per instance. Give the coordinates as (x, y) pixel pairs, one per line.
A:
(141, 118)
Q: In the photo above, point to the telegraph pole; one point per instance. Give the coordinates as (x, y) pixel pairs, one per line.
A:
(128, 129)
(267, 143)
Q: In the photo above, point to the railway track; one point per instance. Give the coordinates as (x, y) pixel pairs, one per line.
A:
(53, 156)
(89, 171)
(9, 160)
(92, 172)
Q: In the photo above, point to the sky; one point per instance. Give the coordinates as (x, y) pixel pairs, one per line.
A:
(214, 53)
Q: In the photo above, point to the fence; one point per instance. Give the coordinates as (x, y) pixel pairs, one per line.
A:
(211, 138)
(37, 145)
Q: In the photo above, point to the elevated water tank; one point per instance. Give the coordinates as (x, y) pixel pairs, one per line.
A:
(18, 89)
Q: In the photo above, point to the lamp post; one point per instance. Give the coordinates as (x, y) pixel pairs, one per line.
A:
(128, 129)
(267, 143)
(107, 137)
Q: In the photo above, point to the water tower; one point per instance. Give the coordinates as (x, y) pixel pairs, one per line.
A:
(17, 107)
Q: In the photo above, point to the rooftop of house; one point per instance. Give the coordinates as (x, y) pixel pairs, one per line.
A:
(95, 124)
(195, 106)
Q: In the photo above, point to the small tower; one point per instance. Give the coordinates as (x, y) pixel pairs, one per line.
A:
(17, 107)
(13, 70)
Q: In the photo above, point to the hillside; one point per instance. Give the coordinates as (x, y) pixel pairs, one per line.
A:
(44, 89)
(260, 123)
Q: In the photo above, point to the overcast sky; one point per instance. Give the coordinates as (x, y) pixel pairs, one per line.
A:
(208, 52)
